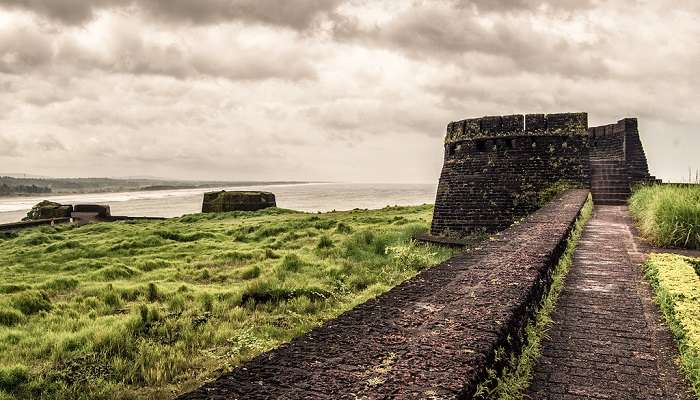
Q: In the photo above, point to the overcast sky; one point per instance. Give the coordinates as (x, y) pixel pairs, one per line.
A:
(342, 90)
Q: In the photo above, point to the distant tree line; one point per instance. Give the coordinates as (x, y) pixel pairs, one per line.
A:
(6, 189)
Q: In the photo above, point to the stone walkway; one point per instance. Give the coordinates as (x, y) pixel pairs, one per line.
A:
(607, 340)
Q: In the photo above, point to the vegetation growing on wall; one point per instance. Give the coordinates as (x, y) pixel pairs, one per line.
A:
(513, 380)
(149, 309)
(668, 215)
(676, 282)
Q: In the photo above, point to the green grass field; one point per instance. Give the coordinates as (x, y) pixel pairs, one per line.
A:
(150, 309)
(668, 215)
(676, 281)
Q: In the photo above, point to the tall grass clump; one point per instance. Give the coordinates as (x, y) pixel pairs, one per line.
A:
(668, 215)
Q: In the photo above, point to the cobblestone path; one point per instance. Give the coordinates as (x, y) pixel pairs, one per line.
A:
(607, 340)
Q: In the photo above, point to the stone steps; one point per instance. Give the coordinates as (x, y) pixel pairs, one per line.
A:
(609, 182)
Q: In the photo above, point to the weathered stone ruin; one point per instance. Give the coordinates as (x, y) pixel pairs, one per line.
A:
(494, 167)
(85, 213)
(48, 210)
(224, 201)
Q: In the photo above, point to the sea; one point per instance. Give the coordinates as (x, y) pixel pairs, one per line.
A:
(310, 197)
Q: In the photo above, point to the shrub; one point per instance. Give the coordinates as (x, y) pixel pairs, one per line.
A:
(152, 292)
(269, 231)
(379, 244)
(251, 273)
(409, 256)
(111, 299)
(292, 263)
(343, 228)
(325, 242)
(177, 303)
(668, 215)
(31, 302)
(235, 256)
(207, 302)
(150, 265)
(12, 377)
(274, 291)
(270, 254)
(325, 224)
(60, 284)
(10, 316)
(13, 288)
(144, 320)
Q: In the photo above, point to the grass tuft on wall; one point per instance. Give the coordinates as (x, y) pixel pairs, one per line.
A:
(513, 380)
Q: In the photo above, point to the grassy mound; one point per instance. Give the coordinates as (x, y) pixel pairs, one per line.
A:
(676, 282)
(148, 309)
(668, 215)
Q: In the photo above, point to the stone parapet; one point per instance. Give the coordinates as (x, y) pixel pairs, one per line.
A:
(517, 125)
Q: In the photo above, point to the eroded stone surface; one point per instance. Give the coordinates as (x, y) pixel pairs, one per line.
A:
(432, 337)
(607, 340)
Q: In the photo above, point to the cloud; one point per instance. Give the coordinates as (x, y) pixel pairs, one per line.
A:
(8, 146)
(353, 90)
(501, 6)
(23, 49)
(126, 47)
(455, 33)
(298, 14)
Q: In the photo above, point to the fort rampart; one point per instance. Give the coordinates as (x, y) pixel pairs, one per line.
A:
(433, 336)
(494, 168)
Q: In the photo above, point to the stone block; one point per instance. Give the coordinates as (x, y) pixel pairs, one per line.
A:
(535, 123)
(224, 201)
(567, 124)
(512, 124)
(100, 210)
(472, 127)
(491, 125)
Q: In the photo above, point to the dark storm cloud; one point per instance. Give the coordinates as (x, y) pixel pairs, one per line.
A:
(297, 14)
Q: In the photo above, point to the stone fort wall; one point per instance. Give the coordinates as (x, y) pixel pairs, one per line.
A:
(621, 142)
(495, 166)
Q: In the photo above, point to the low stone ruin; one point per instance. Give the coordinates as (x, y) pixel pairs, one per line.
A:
(84, 213)
(48, 210)
(224, 201)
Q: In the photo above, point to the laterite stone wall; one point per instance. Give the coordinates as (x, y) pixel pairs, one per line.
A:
(621, 142)
(495, 166)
